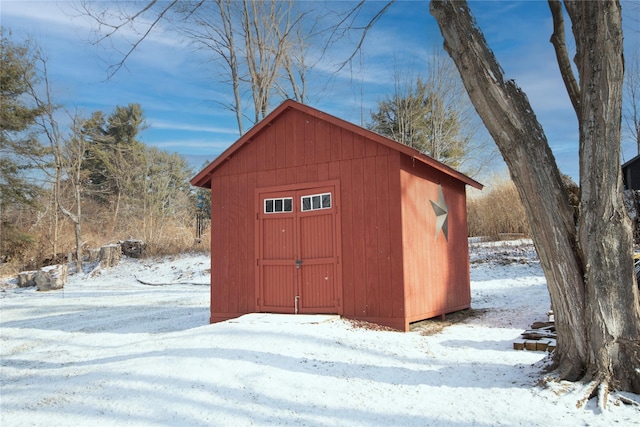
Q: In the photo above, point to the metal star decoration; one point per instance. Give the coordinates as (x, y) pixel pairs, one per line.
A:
(442, 214)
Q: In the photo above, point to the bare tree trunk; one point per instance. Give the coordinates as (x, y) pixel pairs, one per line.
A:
(116, 211)
(231, 58)
(74, 218)
(244, 34)
(70, 165)
(77, 228)
(507, 114)
(56, 217)
(598, 317)
(604, 228)
(76, 151)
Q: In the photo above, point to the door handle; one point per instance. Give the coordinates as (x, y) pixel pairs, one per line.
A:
(298, 263)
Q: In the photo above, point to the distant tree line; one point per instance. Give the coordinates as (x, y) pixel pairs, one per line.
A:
(93, 179)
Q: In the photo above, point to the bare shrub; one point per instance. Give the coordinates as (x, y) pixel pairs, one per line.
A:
(168, 236)
(497, 212)
(172, 235)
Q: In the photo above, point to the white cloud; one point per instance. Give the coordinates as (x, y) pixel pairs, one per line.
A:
(191, 146)
(160, 124)
(40, 11)
(70, 17)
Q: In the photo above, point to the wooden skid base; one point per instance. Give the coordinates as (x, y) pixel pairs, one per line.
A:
(541, 337)
(544, 344)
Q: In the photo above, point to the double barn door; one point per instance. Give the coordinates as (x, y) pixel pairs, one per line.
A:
(298, 251)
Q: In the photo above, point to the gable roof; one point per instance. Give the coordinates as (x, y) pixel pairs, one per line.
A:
(630, 162)
(202, 178)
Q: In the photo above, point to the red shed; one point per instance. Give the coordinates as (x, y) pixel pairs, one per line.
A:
(312, 214)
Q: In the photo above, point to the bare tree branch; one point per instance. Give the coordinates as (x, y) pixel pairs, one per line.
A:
(127, 20)
(631, 113)
(558, 40)
(262, 43)
(352, 14)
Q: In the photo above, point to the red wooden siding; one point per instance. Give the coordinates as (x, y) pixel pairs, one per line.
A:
(436, 269)
(374, 256)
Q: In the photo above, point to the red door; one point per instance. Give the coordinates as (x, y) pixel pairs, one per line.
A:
(298, 251)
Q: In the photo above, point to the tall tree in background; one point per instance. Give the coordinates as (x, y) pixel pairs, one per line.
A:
(71, 157)
(259, 43)
(416, 116)
(402, 116)
(268, 28)
(18, 145)
(142, 186)
(262, 45)
(50, 171)
(32, 139)
(589, 270)
(113, 153)
(64, 167)
(432, 115)
(165, 191)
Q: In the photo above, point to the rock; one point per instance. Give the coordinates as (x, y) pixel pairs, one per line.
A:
(51, 278)
(25, 279)
(134, 248)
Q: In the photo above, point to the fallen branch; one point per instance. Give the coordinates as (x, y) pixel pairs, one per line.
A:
(628, 401)
(169, 284)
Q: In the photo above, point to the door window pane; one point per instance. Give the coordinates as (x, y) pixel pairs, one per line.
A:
(280, 205)
(316, 201)
(326, 201)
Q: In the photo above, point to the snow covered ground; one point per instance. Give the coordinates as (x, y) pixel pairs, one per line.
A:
(108, 350)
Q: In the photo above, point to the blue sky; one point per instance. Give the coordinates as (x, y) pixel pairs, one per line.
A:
(178, 89)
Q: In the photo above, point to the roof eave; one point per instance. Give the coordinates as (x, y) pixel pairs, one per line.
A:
(202, 179)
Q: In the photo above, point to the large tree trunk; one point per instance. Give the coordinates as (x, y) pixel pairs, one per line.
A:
(604, 229)
(507, 114)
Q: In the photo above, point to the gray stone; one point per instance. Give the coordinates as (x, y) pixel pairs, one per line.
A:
(134, 248)
(51, 278)
(25, 279)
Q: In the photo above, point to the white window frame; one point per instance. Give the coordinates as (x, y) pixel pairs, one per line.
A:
(274, 200)
(310, 197)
